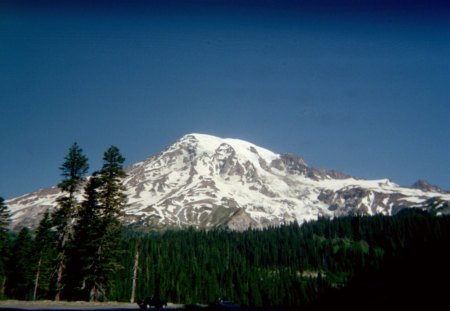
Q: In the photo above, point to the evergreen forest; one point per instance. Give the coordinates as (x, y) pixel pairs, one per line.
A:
(82, 252)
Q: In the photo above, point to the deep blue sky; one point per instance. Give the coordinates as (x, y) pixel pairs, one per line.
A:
(355, 86)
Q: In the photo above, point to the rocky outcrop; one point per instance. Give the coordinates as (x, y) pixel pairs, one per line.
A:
(426, 186)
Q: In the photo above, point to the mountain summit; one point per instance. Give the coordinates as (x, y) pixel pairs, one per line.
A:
(206, 182)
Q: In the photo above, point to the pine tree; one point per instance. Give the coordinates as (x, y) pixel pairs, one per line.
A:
(73, 170)
(98, 230)
(19, 284)
(112, 200)
(44, 256)
(4, 243)
(82, 249)
(112, 191)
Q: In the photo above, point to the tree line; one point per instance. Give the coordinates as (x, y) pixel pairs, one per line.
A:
(361, 258)
(81, 251)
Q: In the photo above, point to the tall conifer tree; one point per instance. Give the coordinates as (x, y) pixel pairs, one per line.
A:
(112, 200)
(73, 170)
(97, 232)
(4, 243)
(44, 257)
(83, 247)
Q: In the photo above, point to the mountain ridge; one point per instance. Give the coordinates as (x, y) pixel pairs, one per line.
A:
(424, 185)
(206, 182)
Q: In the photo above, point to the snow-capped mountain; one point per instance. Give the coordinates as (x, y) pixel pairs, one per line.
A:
(206, 181)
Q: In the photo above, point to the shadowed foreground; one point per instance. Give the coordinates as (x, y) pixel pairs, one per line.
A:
(65, 305)
(108, 306)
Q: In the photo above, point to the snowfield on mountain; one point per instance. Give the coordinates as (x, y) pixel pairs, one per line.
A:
(206, 182)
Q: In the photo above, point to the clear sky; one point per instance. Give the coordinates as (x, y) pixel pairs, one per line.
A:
(362, 87)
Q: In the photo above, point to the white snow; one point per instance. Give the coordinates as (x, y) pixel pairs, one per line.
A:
(185, 178)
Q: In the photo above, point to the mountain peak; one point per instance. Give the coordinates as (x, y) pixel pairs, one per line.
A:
(424, 185)
(213, 141)
(206, 182)
(210, 144)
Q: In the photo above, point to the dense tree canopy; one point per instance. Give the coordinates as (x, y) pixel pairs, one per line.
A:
(291, 265)
(19, 284)
(343, 262)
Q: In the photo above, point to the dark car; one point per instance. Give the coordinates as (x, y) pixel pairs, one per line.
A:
(224, 304)
(149, 302)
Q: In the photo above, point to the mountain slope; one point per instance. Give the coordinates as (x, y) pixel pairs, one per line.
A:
(205, 181)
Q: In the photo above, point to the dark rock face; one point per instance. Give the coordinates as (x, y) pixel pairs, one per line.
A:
(297, 165)
(294, 164)
(426, 186)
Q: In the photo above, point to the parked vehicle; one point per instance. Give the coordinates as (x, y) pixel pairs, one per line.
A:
(149, 302)
(224, 304)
